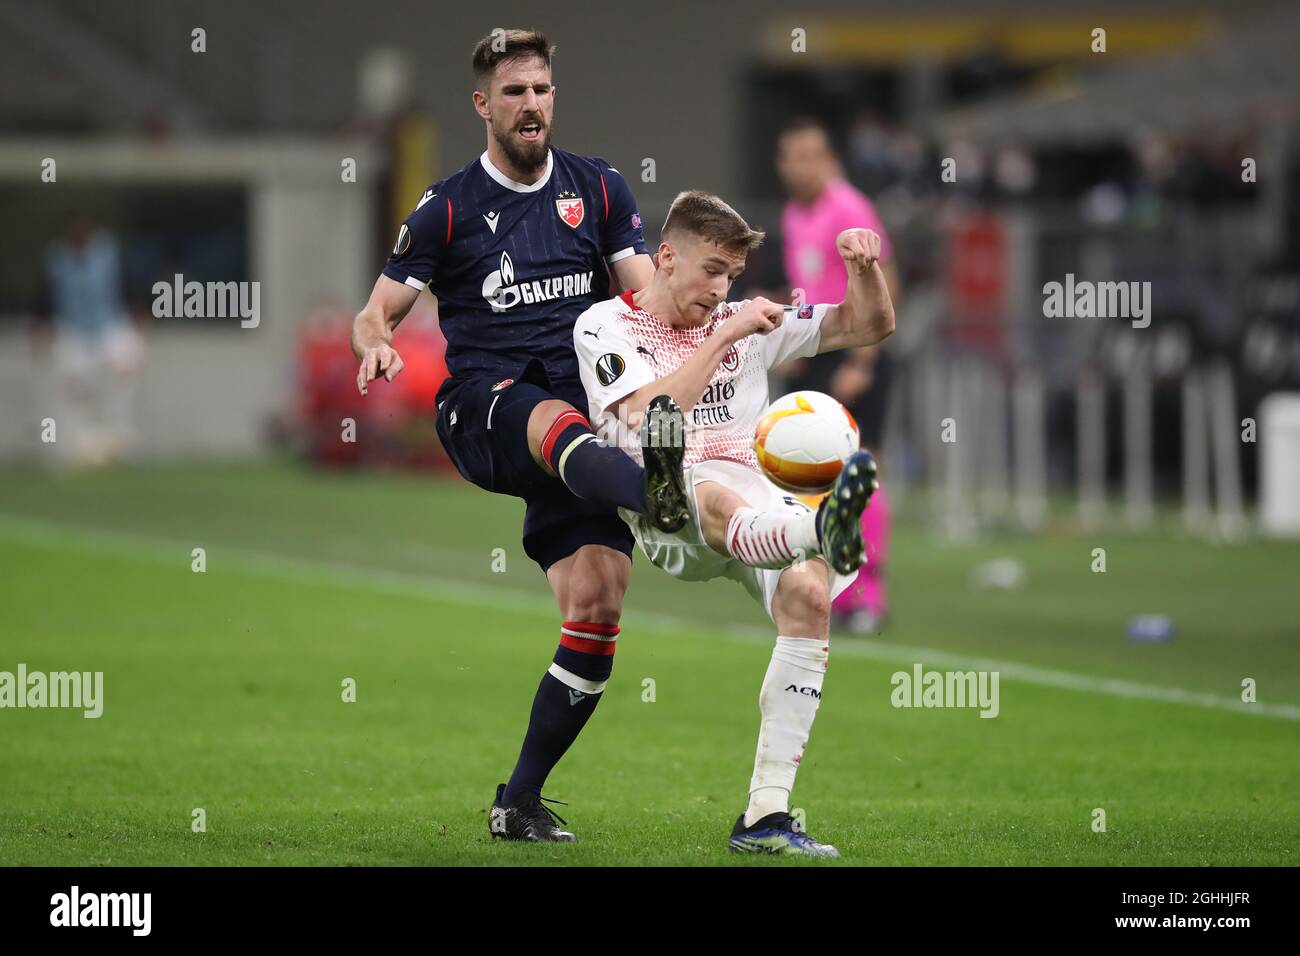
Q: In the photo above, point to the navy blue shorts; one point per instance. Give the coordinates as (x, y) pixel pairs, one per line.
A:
(483, 425)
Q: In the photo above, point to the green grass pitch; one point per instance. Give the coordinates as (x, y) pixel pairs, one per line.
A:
(223, 690)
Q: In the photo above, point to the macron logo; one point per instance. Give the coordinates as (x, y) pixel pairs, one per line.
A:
(429, 194)
(491, 219)
(103, 909)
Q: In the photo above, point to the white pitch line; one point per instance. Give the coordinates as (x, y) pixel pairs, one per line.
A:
(480, 596)
(406, 583)
(1066, 680)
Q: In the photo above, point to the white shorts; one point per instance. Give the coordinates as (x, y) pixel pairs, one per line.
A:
(686, 555)
(80, 355)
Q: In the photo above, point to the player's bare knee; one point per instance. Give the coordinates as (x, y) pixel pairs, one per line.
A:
(805, 600)
(595, 592)
(590, 604)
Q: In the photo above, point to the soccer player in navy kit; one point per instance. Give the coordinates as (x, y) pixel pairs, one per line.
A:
(516, 245)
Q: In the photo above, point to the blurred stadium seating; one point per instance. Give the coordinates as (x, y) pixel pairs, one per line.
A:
(1120, 165)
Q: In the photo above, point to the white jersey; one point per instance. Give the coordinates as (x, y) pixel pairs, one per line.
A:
(621, 348)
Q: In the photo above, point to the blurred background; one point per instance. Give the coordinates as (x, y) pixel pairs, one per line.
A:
(1105, 510)
(998, 150)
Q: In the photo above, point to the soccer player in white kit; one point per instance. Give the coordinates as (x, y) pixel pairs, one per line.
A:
(679, 337)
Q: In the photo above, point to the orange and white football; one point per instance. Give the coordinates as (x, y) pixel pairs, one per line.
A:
(803, 440)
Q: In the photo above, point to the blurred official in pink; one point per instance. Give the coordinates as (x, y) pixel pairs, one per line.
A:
(822, 204)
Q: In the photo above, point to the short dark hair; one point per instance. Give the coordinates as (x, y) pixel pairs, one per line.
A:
(804, 124)
(705, 215)
(501, 45)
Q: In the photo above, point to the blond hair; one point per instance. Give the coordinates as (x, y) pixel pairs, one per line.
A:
(702, 214)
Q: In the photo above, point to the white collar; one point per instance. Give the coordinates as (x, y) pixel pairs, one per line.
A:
(509, 183)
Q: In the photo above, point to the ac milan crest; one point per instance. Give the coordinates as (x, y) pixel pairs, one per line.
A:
(731, 361)
(504, 383)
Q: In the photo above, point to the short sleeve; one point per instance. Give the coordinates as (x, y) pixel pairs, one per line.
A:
(799, 336)
(608, 361)
(420, 241)
(622, 235)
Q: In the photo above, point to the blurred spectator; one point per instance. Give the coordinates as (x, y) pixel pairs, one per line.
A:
(823, 204)
(97, 352)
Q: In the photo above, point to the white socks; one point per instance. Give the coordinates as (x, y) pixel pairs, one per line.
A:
(792, 689)
(767, 539)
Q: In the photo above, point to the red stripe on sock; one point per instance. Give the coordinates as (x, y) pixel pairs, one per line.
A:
(585, 646)
(562, 421)
(608, 630)
(590, 645)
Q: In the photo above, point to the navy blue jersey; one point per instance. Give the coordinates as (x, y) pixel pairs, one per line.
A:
(513, 266)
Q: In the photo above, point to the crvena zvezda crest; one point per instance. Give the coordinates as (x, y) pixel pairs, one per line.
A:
(570, 210)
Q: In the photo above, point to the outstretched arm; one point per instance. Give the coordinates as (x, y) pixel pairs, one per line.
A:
(372, 330)
(866, 316)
